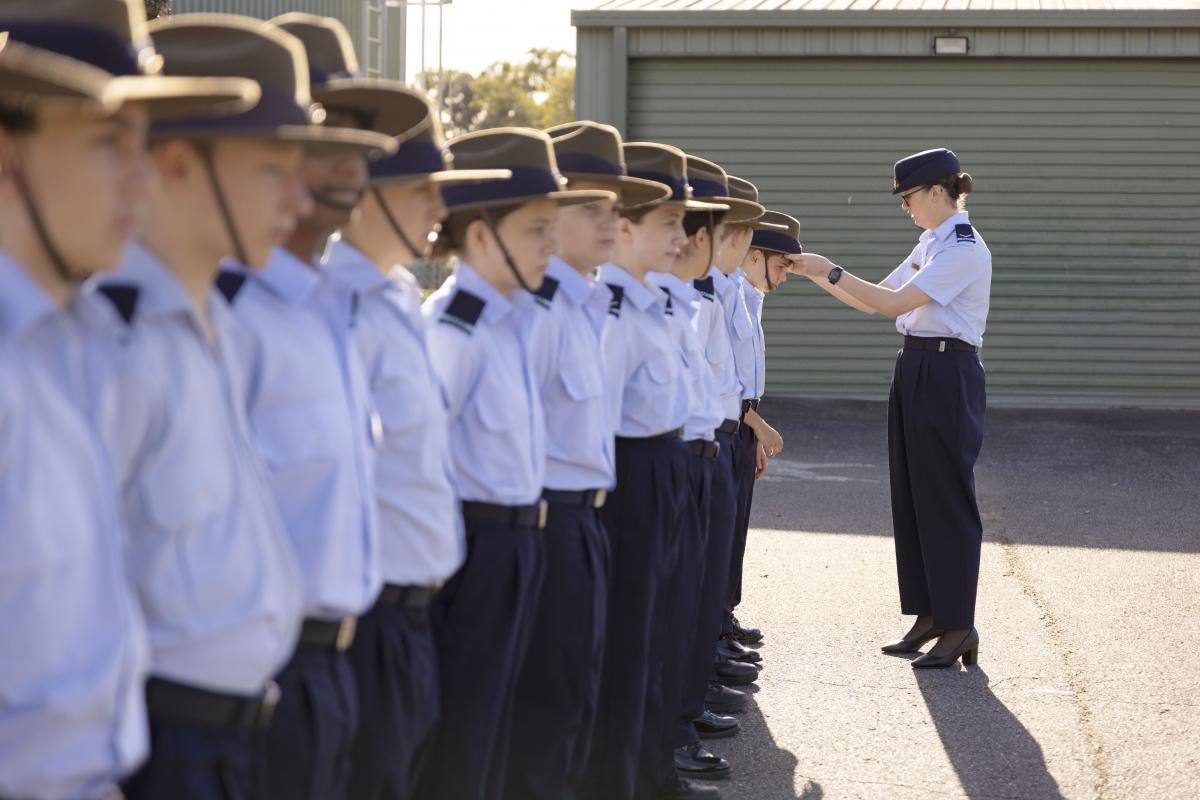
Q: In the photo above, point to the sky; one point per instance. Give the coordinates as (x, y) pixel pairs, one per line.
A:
(478, 32)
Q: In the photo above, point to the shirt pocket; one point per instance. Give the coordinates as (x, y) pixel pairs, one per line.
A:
(296, 433)
(581, 380)
(188, 489)
(662, 367)
(743, 328)
(494, 413)
(404, 404)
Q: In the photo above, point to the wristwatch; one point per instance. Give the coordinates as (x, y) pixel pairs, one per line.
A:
(835, 274)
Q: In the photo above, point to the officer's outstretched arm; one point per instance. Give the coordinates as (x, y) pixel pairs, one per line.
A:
(882, 299)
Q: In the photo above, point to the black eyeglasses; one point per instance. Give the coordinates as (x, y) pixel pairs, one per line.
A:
(904, 197)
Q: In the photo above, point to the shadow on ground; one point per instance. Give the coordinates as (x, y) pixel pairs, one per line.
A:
(1121, 479)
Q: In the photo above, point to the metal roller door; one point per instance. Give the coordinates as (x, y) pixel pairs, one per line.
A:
(1087, 180)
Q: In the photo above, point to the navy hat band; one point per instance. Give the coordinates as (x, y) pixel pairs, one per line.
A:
(706, 188)
(588, 164)
(415, 157)
(525, 182)
(87, 43)
(774, 240)
(318, 76)
(274, 109)
(678, 186)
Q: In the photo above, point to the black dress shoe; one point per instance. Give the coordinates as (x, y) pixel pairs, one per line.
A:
(733, 649)
(734, 673)
(723, 700)
(968, 649)
(694, 761)
(746, 635)
(716, 726)
(913, 645)
(679, 789)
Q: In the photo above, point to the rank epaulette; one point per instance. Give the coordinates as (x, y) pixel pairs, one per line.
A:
(463, 311)
(706, 287)
(964, 233)
(545, 293)
(124, 297)
(618, 297)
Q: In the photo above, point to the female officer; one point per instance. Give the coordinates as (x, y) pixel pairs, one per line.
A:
(939, 297)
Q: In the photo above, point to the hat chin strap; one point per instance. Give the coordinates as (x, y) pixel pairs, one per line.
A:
(210, 167)
(41, 231)
(508, 259)
(395, 224)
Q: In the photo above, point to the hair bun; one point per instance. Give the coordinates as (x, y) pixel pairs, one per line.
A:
(964, 184)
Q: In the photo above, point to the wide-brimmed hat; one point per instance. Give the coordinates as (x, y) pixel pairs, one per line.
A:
(424, 156)
(227, 44)
(387, 107)
(665, 164)
(786, 241)
(745, 190)
(101, 51)
(528, 154)
(589, 151)
(710, 182)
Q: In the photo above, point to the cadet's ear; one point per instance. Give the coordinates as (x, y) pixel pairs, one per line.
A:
(479, 235)
(175, 159)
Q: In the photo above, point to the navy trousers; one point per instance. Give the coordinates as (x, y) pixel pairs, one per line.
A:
(676, 628)
(558, 689)
(935, 431)
(483, 621)
(194, 763)
(311, 736)
(642, 518)
(395, 666)
(710, 609)
(745, 448)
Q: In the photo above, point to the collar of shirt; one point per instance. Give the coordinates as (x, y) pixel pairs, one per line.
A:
(636, 292)
(946, 228)
(738, 276)
(754, 298)
(577, 287)
(684, 294)
(159, 291)
(22, 302)
(721, 281)
(496, 305)
(352, 266)
(288, 276)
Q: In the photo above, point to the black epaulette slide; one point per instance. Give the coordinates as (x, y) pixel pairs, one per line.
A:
(229, 283)
(545, 293)
(463, 311)
(124, 297)
(618, 297)
(706, 287)
(964, 233)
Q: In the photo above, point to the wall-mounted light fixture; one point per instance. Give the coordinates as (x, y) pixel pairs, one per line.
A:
(951, 45)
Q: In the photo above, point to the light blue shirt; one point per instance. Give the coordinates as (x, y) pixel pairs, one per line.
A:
(74, 654)
(712, 325)
(207, 553)
(570, 371)
(704, 406)
(479, 344)
(420, 524)
(952, 265)
(311, 416)
(643, 363)
(745, 331)
(754, 304)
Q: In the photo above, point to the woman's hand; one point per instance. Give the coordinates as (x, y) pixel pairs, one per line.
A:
(760, 462)
(810, 265)
(770, 440)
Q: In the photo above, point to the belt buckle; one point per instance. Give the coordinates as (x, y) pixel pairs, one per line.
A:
(600, 498)
(266, 708)
(345, 634)
(942, 346)
(543, 513)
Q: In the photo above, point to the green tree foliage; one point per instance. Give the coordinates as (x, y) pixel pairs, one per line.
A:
(157, 8)
(536, 93)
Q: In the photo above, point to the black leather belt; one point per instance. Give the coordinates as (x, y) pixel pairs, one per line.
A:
(179, 702)
(396, 596)
(324, 634)
(675, 434)
(729, 426)
(749, 405)
(702, 448)
(534, 515)
(585, 498)
(939, 345)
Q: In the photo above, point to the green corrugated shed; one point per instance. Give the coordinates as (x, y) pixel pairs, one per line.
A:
(1084, 143)
(378, 31)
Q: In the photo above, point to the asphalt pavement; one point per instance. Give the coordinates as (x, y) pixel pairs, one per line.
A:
(1088, 684)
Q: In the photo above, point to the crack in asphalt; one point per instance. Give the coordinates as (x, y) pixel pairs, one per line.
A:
(1078, 694)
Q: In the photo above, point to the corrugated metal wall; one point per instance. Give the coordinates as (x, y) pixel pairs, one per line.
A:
(1088, 193)
(375, 28)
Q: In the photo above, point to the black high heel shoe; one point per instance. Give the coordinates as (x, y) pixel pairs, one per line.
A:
(968, 650)
(913, 645)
